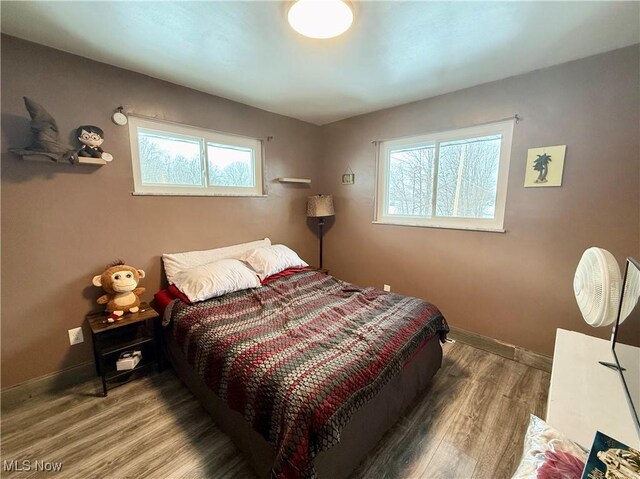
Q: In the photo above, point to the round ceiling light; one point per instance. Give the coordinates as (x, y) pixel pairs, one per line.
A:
(320, 18)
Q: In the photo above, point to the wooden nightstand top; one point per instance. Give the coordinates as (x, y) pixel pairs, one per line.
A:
(99, 324)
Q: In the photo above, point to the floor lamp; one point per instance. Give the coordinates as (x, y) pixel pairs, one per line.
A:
(320, 206)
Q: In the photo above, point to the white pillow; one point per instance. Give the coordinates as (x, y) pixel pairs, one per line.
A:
(269, 260)
(215, 279)
(176, 262)
(541, 443)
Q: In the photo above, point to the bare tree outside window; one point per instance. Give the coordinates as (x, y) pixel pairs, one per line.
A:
(169, 161)
(411, 181)
(165, 161)
(229, 166)
(468, 177)
(174, 159)
(448, 179)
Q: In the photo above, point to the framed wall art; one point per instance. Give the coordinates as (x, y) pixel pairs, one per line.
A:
(545, 166)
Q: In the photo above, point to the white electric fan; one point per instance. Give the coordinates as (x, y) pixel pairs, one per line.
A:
(631, 294)
(597, 287)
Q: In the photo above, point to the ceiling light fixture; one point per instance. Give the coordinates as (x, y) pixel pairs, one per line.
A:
(320, 18)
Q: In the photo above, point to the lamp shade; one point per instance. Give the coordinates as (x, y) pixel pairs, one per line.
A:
(319, 206)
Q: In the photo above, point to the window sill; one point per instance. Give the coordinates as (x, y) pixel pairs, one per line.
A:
(228, 195)
(448, 227)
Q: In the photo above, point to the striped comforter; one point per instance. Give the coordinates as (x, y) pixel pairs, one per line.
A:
(298, 356)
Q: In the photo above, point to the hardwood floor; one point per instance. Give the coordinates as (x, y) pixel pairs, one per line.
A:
(469, 424)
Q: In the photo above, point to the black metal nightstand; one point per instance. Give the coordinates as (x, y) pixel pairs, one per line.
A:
(135, 331)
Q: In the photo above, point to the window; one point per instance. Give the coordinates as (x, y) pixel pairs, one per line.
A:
(171, 159)
(452, 179)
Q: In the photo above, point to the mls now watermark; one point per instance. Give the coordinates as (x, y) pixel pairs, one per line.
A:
(27, 465)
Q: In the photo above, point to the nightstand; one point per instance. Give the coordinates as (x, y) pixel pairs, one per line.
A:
(139, 331)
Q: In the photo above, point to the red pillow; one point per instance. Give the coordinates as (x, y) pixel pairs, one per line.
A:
(282, 274)
(561, 465)
(163, 297)
(177, 294)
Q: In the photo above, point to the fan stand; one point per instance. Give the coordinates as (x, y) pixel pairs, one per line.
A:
(611, 365)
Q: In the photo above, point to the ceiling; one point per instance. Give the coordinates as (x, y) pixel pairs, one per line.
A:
(396, 52)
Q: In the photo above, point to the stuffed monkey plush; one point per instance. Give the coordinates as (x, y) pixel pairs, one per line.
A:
(120, 283)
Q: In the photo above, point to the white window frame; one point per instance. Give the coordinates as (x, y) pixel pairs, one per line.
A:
(204, 136)
(503, 128)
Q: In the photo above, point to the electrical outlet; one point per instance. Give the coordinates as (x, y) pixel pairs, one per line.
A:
(75, 336)
(386, 287)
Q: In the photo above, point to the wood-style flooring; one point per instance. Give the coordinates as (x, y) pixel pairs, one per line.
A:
(469, 424)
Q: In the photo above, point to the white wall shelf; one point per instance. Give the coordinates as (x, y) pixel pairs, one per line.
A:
(294, 180)
(91, 161)
(81, 160)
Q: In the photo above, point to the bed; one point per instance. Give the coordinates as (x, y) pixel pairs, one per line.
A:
(307, 372)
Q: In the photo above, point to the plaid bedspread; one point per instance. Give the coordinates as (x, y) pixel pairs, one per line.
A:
(300, 355)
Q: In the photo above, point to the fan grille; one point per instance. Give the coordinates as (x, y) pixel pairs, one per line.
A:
(597, 287)
(631, 295)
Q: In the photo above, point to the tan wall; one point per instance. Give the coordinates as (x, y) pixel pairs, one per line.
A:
(517, 286)
(56, 232)
(62, 224)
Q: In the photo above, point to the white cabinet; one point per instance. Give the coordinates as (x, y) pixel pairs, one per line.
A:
(585, 396)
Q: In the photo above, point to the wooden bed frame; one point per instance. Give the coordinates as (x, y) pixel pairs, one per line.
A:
(365, 428)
